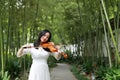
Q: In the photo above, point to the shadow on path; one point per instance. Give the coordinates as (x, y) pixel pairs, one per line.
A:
(62, 72)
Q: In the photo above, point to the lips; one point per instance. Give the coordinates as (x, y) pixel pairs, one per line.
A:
(43, 40)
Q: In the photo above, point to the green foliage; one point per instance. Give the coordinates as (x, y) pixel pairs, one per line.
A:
(77, 73)
(52, 62)
(88, 67)
(13, 67)
(68, 20)
(6, 76)
(105, 73)
(73, 22)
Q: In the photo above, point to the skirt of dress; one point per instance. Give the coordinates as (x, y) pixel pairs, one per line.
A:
(39, 72)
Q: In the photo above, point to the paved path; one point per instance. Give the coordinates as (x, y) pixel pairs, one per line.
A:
(62, 72)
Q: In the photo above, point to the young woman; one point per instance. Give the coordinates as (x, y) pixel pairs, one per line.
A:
(39, 69)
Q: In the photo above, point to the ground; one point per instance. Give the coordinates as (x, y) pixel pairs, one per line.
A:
(62, 72)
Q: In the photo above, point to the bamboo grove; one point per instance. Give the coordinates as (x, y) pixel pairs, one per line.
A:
(91, 24)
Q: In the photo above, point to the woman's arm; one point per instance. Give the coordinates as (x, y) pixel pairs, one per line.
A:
(20, 51)
(57, 55)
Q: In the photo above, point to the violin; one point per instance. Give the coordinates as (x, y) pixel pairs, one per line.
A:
(52, 48)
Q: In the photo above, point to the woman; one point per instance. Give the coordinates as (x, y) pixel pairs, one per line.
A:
(39, 69)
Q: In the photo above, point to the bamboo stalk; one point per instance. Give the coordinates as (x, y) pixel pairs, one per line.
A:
(1, 48)
(111, 32)
(106, 41)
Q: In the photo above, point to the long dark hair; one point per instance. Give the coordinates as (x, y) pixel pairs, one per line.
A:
(37, 42)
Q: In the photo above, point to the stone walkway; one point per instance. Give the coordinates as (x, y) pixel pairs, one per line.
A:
(62, 72)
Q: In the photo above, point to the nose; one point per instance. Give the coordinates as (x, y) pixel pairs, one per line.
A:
(45, 37)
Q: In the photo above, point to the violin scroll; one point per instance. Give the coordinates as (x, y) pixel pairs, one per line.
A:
(64, 55)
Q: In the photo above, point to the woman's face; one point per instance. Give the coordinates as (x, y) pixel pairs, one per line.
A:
(45, 37)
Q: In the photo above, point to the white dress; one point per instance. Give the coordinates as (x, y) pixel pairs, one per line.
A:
(39, 69)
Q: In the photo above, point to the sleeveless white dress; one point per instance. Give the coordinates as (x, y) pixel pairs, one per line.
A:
(39, 69)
